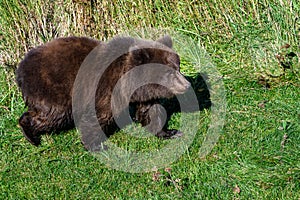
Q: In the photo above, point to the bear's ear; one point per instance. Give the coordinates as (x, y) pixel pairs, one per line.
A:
(166, 40)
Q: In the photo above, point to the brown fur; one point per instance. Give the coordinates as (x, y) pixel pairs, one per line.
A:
(47, 74)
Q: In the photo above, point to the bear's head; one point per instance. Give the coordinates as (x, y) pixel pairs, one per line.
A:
(165, 67)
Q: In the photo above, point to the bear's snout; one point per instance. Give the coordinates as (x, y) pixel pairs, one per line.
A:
(180, 84)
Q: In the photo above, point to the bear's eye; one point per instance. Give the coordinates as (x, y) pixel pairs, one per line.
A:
(173, 66)
(172, 72)
(173, 61)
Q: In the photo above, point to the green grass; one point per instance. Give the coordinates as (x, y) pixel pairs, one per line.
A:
(258, 153)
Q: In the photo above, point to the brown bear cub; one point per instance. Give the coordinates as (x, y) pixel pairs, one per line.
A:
(47, 74)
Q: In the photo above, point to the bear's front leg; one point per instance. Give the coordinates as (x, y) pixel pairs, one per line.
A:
(155, 119)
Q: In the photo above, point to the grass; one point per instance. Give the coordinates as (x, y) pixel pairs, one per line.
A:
(258, 153)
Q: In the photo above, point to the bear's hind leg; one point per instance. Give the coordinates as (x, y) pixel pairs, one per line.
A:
(28, 126)
(37, 122)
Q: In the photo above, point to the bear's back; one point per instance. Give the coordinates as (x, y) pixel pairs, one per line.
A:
(48, 72)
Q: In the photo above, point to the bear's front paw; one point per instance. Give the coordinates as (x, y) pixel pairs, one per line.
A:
(169, 134)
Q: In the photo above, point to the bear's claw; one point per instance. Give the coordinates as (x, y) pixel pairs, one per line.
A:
(169, 134)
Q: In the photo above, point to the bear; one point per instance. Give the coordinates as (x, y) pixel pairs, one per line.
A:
(47, 74)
